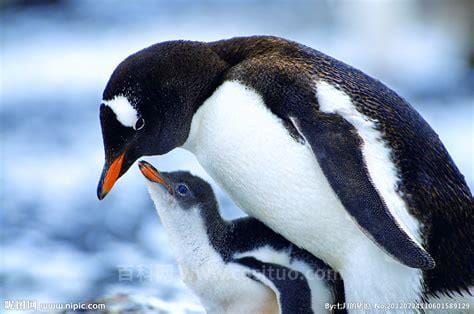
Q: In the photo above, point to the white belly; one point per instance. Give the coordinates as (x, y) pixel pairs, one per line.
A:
(250, 154)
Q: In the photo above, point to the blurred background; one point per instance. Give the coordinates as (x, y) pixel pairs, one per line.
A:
(58, 243)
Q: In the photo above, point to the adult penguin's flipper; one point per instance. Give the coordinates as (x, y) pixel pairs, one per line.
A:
(338, 150)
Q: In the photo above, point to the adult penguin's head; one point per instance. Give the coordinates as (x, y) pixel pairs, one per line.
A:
(149, 102)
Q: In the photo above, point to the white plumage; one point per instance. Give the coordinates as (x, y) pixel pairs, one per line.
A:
(124, 111)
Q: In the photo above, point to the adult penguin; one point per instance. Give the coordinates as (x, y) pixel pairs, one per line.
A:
(320, 152)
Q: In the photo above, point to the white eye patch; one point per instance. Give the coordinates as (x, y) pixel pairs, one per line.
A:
(124, 111)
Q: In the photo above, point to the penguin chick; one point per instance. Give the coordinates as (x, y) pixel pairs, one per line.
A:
(238, 266)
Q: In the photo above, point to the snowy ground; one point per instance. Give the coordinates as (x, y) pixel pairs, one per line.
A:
(58, 242)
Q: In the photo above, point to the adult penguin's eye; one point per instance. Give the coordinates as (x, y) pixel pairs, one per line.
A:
(139, 124)
(182, 189)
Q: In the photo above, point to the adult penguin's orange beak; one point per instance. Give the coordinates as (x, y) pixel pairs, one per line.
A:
(110, 175)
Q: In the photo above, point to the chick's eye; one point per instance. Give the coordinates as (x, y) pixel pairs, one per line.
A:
(182, 189)
(139, 124)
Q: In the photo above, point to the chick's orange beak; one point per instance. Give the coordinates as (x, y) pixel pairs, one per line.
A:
(152, 174)
(110, 176)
